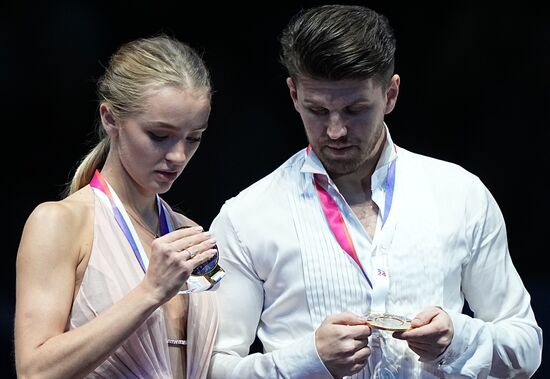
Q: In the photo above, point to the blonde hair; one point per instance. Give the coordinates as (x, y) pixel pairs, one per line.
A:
(135, 68)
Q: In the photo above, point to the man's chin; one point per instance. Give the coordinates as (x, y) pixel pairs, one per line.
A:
(340, 166)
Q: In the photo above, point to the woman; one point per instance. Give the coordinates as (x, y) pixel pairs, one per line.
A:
(99, 272)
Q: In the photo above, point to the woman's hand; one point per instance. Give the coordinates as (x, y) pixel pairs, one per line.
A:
(173, 258)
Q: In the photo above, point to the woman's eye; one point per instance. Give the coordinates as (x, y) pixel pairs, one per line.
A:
(194, 139)
(157, 137)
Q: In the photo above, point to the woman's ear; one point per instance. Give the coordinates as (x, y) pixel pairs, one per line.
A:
(108, 120)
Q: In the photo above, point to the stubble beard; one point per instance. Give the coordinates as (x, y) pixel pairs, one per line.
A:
(358, 157)
(341, 166)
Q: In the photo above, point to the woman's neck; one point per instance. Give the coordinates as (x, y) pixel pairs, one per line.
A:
(143, 205)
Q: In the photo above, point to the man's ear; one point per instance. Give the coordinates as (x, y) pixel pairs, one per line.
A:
(293, 92)
(108, 120)
(391, 93)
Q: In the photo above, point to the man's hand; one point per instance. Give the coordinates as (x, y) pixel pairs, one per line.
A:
(431, 333)
(342, 343)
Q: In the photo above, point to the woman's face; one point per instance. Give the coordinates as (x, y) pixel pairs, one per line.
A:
(155, 145)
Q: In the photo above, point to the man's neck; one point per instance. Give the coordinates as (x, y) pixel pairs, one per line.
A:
(356, 186)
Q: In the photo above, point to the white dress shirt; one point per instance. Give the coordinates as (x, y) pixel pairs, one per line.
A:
(444, 242)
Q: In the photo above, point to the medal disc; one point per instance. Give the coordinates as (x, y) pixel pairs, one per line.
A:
(208, 268)
(388, 322)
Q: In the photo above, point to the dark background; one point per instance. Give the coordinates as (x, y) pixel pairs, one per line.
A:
(474, 91)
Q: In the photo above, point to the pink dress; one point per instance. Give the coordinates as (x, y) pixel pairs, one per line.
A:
(112, 272)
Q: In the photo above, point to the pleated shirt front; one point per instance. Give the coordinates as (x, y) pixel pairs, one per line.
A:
(444, 240)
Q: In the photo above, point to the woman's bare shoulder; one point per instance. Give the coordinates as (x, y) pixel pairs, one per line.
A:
(70, 211)
(65, 223)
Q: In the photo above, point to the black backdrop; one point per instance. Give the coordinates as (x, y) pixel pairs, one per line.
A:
(475, 91)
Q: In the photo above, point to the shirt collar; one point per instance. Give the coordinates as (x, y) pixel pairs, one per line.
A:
(312, 164)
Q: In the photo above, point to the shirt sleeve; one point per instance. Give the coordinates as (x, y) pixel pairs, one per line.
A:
(502, 339)
(240, 300)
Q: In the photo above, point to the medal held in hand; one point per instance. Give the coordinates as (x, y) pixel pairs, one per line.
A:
(388, 322)
(210, 269)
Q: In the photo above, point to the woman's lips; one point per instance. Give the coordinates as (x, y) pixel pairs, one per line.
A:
(167, 176)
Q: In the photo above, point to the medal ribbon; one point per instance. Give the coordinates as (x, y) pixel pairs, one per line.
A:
(335, 218)
(194, 283)
(381, 284)
(121, 217)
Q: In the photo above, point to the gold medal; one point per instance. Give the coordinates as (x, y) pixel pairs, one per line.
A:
(388, 322)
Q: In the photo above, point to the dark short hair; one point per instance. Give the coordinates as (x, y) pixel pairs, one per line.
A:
(336, 42)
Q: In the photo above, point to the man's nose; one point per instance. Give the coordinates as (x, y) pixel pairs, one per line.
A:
(336, 126)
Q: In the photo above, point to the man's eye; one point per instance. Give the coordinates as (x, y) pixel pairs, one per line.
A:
(356, 109)
(318, 111)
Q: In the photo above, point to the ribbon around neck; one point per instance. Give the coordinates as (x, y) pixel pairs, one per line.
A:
(335, 218)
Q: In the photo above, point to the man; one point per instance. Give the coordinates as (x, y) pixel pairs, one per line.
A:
(356, 255)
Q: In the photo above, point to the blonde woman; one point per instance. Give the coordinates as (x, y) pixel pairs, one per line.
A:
(104, 276)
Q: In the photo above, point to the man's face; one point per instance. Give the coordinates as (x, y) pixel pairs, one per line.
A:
(343, 120)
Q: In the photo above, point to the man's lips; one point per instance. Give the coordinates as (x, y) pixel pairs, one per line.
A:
(338, 148)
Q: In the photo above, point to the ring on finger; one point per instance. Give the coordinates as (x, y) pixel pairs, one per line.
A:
(190, 253)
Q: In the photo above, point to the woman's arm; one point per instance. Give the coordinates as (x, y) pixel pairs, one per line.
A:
(56, 239)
